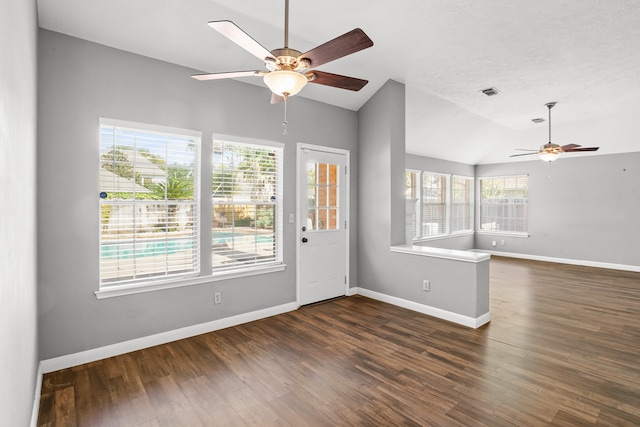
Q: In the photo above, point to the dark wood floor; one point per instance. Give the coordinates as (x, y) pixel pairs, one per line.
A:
(562, 348)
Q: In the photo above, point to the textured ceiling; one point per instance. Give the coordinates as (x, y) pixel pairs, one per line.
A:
(584, 54)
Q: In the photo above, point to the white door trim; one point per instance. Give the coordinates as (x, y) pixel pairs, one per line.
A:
(302, 146)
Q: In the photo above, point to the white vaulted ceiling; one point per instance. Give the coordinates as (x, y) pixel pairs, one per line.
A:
(584, 54)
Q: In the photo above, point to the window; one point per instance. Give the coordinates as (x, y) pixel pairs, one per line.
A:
(149, 203)
(412, 192)
(247, 205)
(434, 204)
(323, 186)
(444, 203)
(503, 204)
(151, 217)
(461, 204)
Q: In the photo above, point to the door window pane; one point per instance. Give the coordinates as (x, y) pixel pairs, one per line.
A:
(322, 196)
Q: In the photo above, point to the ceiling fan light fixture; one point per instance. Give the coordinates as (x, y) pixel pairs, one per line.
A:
(285, 82)
(548, 156)
(549, 152)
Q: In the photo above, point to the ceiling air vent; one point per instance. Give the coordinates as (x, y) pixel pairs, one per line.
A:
(491, 91)
(538, 120)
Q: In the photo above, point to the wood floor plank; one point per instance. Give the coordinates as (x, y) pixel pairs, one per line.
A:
(561, 350)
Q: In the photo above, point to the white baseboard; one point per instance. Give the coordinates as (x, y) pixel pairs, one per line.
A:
(75, 359)
(428, 310)
(36, 399)
(611, 266)
(70, 360)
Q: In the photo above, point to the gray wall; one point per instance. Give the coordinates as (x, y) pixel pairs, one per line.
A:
(79, 82)
(375, 191)
(379, 148)
(430, 164)
(381, 220)
(580, 208)
(18, 320)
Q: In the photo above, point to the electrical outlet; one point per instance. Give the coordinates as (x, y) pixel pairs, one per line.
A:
(426, 285)
(494, 243)
(217, 298)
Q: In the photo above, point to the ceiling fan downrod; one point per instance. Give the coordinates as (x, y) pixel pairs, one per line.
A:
(550, 105)
(286, 24)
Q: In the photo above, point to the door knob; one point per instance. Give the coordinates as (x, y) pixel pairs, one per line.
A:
(305, 240)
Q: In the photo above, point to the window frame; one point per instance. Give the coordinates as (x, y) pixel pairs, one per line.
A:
(278, 263)
(480, 207)
(140, 132)
(443, 202)
(471, 204)
(448, 196)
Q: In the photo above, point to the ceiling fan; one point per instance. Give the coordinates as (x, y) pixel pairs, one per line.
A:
(549, 152)
(289, 70)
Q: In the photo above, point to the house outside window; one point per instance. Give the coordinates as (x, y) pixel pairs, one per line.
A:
(503, 204)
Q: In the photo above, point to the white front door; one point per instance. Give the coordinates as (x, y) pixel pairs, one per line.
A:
(322, 223)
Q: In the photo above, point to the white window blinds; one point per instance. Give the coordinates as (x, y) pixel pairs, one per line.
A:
(247, 205)
(149, 203)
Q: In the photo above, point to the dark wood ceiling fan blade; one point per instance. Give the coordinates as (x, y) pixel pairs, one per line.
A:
(336, 80)
(242, 39)
(226, 75)
(573, 150)
(569, 147)
(525, 154)
(346, 44)
(276, 99)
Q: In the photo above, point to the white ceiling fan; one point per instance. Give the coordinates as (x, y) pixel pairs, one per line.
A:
(549, 151)
(289, 70)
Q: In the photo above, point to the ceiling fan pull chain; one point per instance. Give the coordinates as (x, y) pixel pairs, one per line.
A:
(285, 123)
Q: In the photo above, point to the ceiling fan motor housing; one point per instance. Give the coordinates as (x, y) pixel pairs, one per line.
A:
(551, 148)
(287, 59)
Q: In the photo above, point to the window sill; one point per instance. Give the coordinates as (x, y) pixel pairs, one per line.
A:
(503, 233)
(117, 291)
(450, 254)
